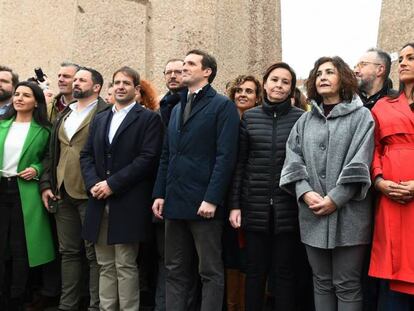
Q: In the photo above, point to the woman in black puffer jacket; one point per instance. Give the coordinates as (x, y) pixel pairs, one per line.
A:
(267, 214)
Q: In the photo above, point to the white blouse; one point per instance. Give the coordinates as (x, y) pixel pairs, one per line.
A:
(13, 146)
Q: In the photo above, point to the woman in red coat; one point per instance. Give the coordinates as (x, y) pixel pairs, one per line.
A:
(392, 255)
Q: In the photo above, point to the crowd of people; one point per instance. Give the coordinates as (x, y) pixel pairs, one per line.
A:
(262, 198)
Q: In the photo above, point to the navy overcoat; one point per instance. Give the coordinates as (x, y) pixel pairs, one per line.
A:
(198, 156)
(129, 165)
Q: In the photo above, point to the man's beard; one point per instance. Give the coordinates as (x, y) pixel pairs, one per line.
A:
(81, 94)
(5, 95)
(365, 85)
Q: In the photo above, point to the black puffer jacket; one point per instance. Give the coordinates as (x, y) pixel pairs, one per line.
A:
(262, 142)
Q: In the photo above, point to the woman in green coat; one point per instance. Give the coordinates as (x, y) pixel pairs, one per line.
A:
(25, 234)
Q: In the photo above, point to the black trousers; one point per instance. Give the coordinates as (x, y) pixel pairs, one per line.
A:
(184, 239)
(12, 237)
(266, 251)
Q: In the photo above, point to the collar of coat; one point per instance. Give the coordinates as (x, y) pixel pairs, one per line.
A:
(280, 108)
(340, 109)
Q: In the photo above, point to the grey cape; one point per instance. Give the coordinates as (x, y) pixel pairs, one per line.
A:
(332, 155)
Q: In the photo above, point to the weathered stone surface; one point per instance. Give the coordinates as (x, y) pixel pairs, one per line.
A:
(244, 35)
(395, 28)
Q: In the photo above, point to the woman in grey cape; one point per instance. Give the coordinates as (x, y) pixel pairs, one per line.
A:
(327, 166)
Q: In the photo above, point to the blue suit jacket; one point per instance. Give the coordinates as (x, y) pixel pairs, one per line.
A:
(198, 157)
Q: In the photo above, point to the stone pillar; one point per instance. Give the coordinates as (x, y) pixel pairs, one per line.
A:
(395, 29)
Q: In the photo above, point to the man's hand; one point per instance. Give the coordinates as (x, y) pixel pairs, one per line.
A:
(28, 173)
(235, 218)
(46, 195)
(158, 208)
(325, 207)
(101, 190)
(206, 210)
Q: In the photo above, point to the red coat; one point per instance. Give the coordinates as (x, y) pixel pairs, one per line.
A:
(392, 255)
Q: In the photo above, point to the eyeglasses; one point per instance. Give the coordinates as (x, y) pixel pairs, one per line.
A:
(363, 64)
(175, 72)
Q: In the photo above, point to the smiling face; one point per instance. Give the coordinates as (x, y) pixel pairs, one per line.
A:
(406, 65)
(278, 85)
(245, 96)
(124, 89)
(327, 81)
(65, 79)
(24, 100)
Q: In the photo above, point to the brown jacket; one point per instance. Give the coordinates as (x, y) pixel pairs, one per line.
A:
(62, 162)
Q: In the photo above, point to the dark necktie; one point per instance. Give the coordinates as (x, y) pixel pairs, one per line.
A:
(187, 109)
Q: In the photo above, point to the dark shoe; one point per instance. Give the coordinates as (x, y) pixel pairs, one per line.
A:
(16, 304)
(42, 302)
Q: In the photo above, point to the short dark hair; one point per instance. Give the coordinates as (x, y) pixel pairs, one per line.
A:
(172, 60)
(40, 112)
(207, 61)
(385, 58)
(348, 85)
(96, 75)
(15, 76)
(284, 66)
(70, 64)
(132, 73)
(239, 81)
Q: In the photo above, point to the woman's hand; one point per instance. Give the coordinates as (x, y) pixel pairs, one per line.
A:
(235, 218)
(28, 173)
(312, 198)
(324, 207)
(401, 193)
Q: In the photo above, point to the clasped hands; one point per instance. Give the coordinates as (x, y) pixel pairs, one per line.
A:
(319, 205)
(402, 192)
(101, 190)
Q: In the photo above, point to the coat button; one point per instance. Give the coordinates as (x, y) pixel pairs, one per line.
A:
(108, 155)
(108, 172)
(322, 146)
(323, 176)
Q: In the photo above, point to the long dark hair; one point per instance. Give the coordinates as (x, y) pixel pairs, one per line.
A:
(40, 112)
(402, 84)
(347, 80)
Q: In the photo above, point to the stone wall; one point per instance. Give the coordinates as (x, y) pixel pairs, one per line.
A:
(395, 29)
(244, 35)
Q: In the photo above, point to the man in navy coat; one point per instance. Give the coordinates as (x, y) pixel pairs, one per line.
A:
(199, 154)
(119, 163)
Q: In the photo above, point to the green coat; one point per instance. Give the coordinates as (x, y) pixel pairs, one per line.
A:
(39, 241)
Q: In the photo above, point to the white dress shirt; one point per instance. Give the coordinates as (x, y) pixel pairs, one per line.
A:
(117, 118)
(75, 118)
(13, 147)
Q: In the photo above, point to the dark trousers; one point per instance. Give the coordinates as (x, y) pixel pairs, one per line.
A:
(12, 237)
(264, 250)
(183, 239)
(393, 301)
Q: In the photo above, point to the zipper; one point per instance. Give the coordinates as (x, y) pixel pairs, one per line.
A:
(272, 156)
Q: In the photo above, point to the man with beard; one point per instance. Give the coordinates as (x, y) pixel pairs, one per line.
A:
(119, 163)
(8, 80)
(173, 80)
(372, 72)
(62, 183)
(66, 75)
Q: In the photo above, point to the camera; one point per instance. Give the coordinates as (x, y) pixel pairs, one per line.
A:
(40, 76)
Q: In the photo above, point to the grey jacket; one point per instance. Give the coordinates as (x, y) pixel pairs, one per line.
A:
(332, 156)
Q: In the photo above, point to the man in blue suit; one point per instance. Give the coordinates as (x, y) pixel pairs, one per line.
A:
(199, 154)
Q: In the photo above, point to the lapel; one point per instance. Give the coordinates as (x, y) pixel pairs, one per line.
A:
(34, 130)
(204, 101)
(401, 105)
(129, 118)
(87, 120)
(4, 129)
